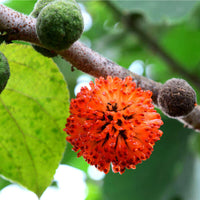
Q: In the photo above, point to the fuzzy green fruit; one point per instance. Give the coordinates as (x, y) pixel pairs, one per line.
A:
(4, 72)
(44, 52)
(59, 24)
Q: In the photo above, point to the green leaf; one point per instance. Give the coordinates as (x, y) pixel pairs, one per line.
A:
(157, 11)
(151, 179)
(33, 110)
(69, 72)
(70, 158)
(3, 183)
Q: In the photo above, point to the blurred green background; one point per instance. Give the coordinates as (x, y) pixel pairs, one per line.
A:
(168, 31)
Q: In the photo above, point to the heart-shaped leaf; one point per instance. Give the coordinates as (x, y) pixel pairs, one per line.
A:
(33, 111)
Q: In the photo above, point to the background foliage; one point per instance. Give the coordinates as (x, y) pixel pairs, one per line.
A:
(173, 170)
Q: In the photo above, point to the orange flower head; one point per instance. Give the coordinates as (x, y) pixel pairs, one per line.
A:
(113, 123)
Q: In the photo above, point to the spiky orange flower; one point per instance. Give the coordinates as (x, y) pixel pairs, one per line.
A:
(113, 122)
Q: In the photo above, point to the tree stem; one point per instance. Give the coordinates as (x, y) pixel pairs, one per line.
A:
(22, 27)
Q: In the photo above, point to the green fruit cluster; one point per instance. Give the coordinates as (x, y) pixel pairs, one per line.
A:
(4, 72)
(59, 24)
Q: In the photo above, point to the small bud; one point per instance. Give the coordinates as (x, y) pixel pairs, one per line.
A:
(4, 72)
(176, 98)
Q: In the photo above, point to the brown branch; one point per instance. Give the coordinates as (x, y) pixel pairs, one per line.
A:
(189, 119)
(90, 62)
(83, 58)
(17, 25)
(134, 25)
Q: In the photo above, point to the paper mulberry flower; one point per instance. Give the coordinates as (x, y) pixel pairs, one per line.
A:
(113, 123)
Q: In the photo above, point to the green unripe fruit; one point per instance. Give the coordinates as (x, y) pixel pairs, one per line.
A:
(59, 24)
(4, 72)
(44, 52)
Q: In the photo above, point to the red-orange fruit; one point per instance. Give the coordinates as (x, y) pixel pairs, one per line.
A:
(113, 124)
